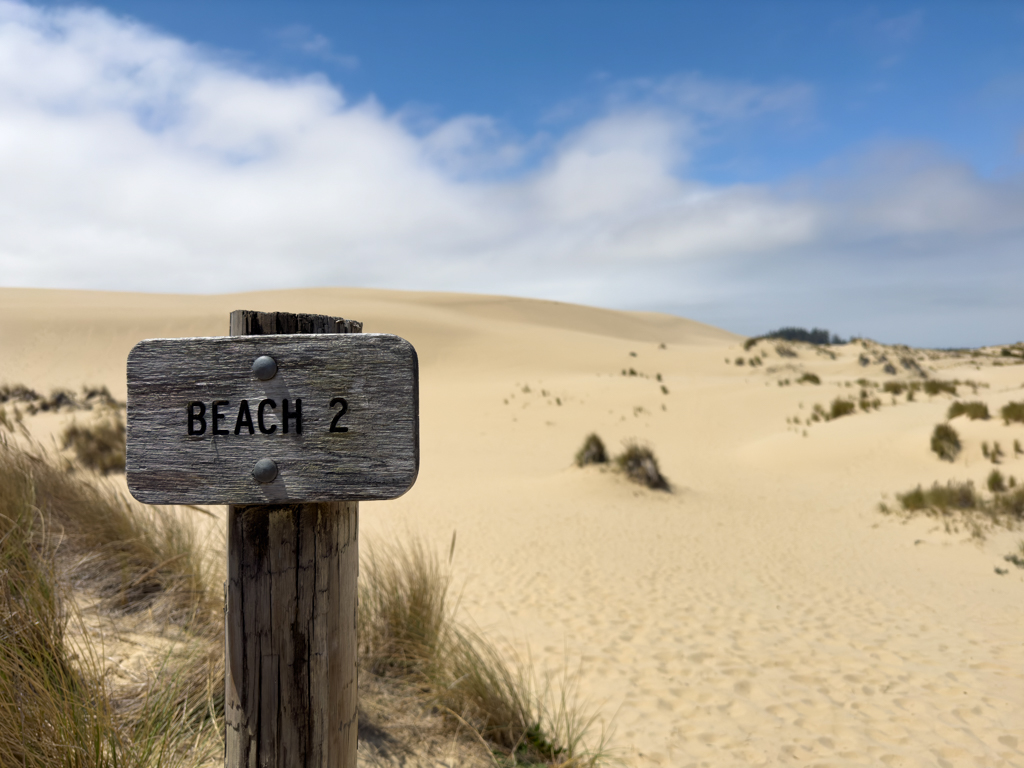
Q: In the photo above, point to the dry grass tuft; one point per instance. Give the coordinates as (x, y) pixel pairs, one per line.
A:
(945, 442)
(408, 633)
(592, 452)
(640, 466)
(959, 503)
(135, 556)
(1012, 412)
(973, 410)
(62, 711)
(99, 446)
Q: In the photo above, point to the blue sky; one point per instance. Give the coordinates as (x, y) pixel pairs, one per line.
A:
(858, 166)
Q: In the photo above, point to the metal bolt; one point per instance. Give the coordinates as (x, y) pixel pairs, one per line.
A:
(264, 368)
(265, 471)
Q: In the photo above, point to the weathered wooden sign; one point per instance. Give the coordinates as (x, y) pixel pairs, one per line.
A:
(272, 419)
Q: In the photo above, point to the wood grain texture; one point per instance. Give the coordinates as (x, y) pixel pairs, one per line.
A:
(377, 457)
(290, 618)
(290, 635)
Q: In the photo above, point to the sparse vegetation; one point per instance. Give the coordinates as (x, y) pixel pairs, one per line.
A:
(99, 446)
(408, 633)
(813, 336)
(960, 503)
(945, 442)
(996, 482)
(640, 466)
(894, 387)
(67, 712)
(1012, 412)
(809, 378)
(934, 386)
(592, 452)
(841, 407)
(973, 410)
(60, 531)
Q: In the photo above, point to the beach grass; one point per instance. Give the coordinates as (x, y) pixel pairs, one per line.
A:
(945, 442)
(66, 535)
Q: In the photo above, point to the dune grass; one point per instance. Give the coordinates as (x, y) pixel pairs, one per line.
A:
(959, 500)
(641, 466)
(945, 442)
(59, 707)
(1012, 412)
(592, 452)
(62, 532)
(408, 632)
(973, 410)
(99, 446)
(135, 556)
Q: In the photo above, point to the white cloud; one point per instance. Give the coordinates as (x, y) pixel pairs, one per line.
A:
(132, 160)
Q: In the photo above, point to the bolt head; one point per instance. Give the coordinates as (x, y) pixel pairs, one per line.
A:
(264, 368)
(265, 471)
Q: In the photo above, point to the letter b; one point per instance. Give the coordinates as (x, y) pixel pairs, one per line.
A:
(194, 417)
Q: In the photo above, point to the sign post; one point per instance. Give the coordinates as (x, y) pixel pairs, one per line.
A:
(291, 431)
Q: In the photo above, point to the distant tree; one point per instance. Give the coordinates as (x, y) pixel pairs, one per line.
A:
(813, 336)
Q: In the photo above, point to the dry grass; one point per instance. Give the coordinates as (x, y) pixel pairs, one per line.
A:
(945, 442)
(137, 557)
(960, 504)
(408, 633)
(60, 709)
(974, 410)
(99, 446)
(62, 531)
(592, 451)
(640, 466)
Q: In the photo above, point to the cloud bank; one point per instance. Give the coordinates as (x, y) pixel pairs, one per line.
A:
(132, 160)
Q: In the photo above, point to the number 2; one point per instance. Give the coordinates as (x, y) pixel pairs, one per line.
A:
(344, 409)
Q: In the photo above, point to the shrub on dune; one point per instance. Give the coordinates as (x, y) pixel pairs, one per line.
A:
(996, 483)
(973, 410)
(640, 466)
(945, 442)
(841, 407)
(592, 452)
(1012, 412)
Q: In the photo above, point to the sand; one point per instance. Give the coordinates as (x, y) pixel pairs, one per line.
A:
(764, 612)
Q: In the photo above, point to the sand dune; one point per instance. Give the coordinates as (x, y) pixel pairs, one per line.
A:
(762, 613)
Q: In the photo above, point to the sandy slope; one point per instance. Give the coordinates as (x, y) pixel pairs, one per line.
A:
(762, 613)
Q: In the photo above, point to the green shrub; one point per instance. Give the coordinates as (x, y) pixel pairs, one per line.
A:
(945, 442)
(810, 378)
(996, 483)
(934, 387)
(592, 452)
(1017, 450)
(952, 496)
(973, 410)
(1012, 412)
(894, 387)
(640, 466)
(1011, 504)
(841, 407)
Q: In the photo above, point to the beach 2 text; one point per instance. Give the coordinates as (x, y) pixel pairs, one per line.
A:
(219, 414)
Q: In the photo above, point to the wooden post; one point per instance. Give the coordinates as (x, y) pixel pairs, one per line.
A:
(290, 624)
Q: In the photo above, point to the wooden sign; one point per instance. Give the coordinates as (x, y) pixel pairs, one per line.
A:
(272, 419)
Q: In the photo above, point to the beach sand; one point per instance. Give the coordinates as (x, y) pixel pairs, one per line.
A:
(763, 612)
